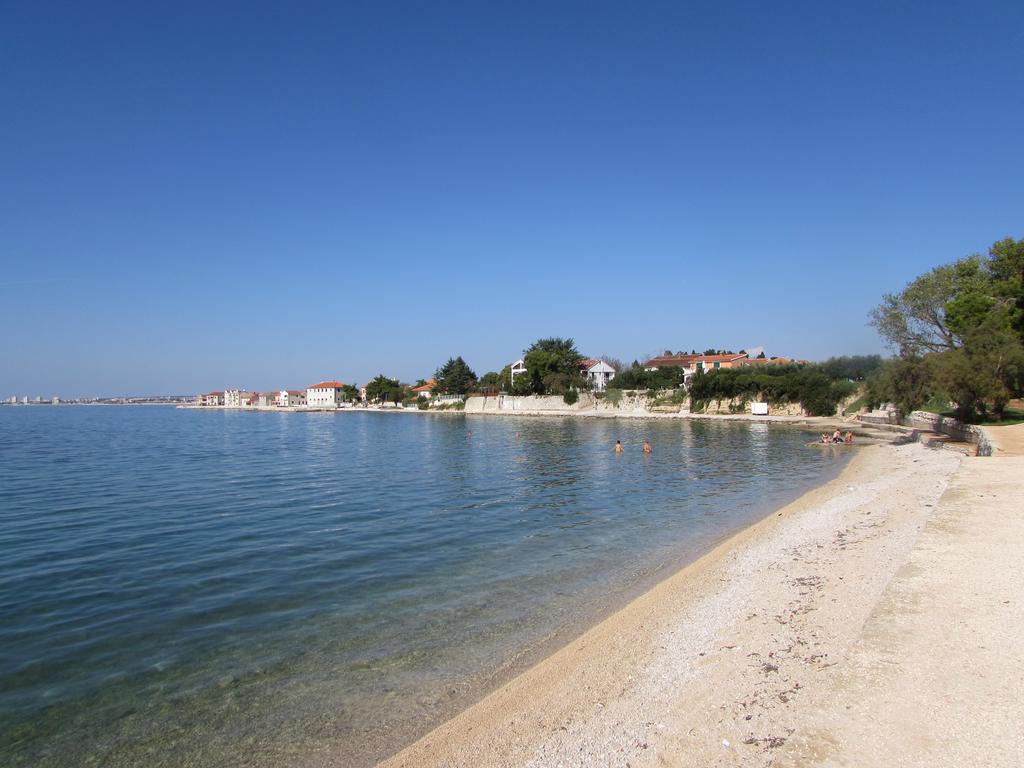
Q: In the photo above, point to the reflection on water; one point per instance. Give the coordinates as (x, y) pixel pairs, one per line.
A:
(264, 589)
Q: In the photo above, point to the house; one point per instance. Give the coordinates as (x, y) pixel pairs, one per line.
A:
(715, 362)
(238, 398)
(291, 398)
(693, 363)
(515, 369)
(759, 361)
(326, 394)
(362, 391)
(696, 362)
(664, 361)
(212, 398)
(597, 372)
(266, 399)
(426, 390)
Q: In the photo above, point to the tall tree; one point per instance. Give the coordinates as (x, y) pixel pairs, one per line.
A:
(455, 377)
(967, 321)
(552, 367)
(385, 390)
(914, 321)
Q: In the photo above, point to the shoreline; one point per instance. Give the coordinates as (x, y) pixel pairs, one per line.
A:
(876, 433)
(719, 662)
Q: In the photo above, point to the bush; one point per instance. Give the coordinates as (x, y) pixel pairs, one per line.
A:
(570, 397)
(614, 396)
(808, 385)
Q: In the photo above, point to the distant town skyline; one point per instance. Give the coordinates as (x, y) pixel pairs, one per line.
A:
(255, 196)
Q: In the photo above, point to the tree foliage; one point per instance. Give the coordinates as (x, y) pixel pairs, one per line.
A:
(810, 385)
(852, 367)
(552, 368)
(961, 327)
(635, 377)
(385, 390)
(455, 377)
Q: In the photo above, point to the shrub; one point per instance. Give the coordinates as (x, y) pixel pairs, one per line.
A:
(570, 397)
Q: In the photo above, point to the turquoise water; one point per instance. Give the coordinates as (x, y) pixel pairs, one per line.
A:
(191, 588)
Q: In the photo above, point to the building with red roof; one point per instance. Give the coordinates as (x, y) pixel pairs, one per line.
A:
(326, 394)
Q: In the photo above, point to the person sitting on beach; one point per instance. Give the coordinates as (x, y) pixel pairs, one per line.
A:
(849, 438)
(618, 446)
(825, 438)
(647, 446)
(837, 436)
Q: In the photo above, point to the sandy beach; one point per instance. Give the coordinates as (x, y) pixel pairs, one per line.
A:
(874, 622)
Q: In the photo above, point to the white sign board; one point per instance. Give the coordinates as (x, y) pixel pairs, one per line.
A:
(759, 409)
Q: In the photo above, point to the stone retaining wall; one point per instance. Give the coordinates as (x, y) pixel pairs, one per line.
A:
(944, 425)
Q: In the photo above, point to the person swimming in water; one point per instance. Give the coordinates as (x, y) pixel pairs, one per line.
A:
(618, 446)
(647, 446)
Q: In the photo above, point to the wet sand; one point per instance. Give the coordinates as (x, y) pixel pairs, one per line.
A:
(864, 624)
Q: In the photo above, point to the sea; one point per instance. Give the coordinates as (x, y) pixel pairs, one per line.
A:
(189, 587)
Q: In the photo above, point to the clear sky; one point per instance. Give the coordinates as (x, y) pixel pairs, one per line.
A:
(207, 195)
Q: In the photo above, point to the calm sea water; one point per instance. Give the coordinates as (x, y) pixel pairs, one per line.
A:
(189, 588)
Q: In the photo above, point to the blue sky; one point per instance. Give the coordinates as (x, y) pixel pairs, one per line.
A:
(207, 195)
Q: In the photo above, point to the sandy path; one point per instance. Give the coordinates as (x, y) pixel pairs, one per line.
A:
(937, 677)
(727, 662)
(1008, 441)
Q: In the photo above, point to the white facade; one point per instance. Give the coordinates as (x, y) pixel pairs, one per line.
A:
(291, 398)
(599, 374)
(326, 394)
(266, 399)
(516, 368)
(236, 398)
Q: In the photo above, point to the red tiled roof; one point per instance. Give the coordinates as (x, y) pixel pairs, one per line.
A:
(686, 361)
(590, 362)
(720, 358)
(663, 360)
(327, 385)
(767, 361)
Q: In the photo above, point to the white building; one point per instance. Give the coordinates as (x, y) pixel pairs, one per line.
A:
(291, 398)
(237, 398)
(598, 373)
(212, 398)
(426, 390)
(515, 369)
(266, 399)
(326, 394)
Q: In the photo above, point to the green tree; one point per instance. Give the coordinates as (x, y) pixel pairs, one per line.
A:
(914, 321)
(906, 382)
(385, 390)
(853, 367)
(967, 319)
(552, 367)
(491, 379)
(349, 393)
(455, 377)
